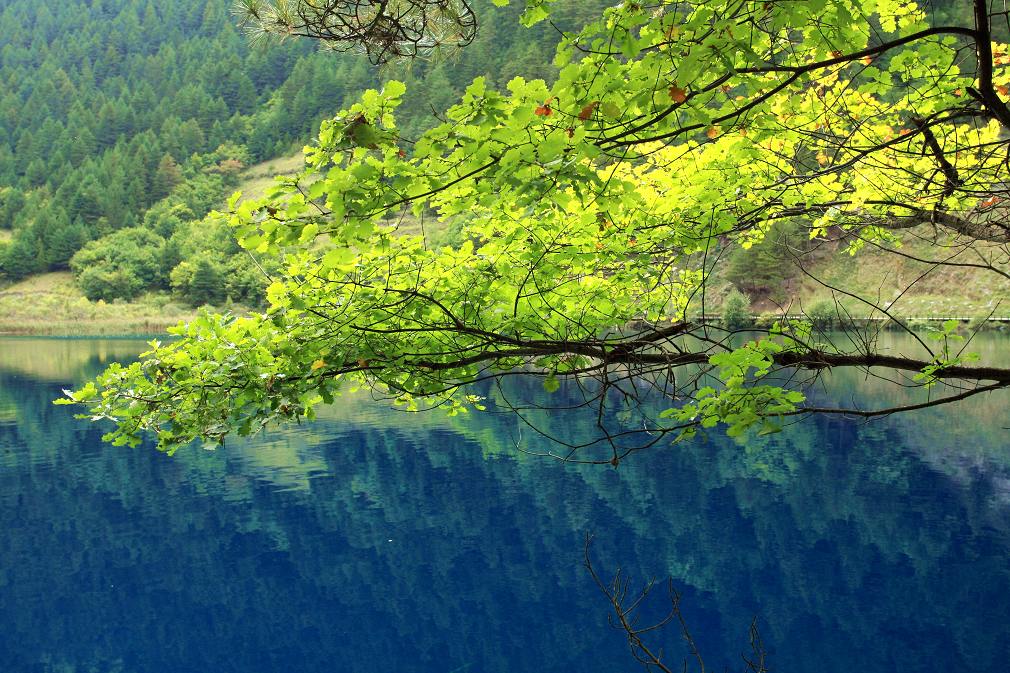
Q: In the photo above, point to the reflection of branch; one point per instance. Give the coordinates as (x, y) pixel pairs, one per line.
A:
(898, 409)
(625, 618)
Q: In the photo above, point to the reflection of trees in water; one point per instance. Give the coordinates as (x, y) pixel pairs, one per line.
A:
(855, 552)
(64, 360)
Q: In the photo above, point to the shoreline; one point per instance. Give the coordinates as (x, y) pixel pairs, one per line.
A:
(88, 329)
(157, 326)
(51, 305)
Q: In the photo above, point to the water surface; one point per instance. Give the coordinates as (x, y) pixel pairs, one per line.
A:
(375, 541)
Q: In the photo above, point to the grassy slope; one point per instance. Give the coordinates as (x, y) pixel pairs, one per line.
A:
(51, 304)
(881, 277)
(256, 179)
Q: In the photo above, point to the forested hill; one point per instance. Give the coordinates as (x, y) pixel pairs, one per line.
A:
(137, 115)
(101, 103)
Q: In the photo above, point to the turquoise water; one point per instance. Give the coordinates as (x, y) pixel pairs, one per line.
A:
(374, 540)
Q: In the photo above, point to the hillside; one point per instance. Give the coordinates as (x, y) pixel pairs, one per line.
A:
(104, 106)
(788, 274)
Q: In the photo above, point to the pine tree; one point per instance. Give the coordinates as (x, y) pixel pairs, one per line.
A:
(62, 238)
(20, 258)
(166, 178)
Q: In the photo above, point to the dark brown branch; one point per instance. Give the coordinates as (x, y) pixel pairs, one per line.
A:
(983, 50)
(949, 171)
(632, 353)
(385, 31)
(980, 226)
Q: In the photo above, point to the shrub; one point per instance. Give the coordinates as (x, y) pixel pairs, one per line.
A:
(823, 313)
(166, 216)
(736, 310)
(207, 284)
(246, 282)
(120, 265)
(19, 258)
(200, 281)
(108, 284)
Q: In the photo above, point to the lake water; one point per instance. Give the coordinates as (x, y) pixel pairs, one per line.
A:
(376, 541)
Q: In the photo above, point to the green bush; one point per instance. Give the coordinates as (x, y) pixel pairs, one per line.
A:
(246, 282)
(206, 280)
(166, 216)
(206, 236)
(120, 265)
(736, 310)
(206, 285)
(823, 313)
(108, 283)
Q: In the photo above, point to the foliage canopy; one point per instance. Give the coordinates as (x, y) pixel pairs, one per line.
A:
(592, 212)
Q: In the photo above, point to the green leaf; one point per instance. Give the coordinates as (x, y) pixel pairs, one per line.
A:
(337, 257)
(394, 88)
(552, 146)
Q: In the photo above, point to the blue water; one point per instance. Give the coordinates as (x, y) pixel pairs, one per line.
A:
(376, 541)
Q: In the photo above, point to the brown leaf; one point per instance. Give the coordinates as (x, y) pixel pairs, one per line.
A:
(588, 111)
